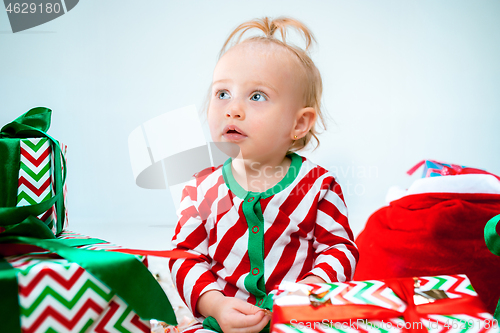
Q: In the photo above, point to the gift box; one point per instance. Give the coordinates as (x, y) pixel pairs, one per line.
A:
(37, 179)
(32, 173)
(432, 168)
(423, 304)
(58, 295)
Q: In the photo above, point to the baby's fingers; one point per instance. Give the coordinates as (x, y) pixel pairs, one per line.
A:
(251, 323)
(247, 308)
(260, 325)
(251, 320)
(240, 323)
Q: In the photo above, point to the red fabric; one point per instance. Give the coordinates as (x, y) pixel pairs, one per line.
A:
(432, 234)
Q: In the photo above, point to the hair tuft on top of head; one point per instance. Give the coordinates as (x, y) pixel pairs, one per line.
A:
(269, 28)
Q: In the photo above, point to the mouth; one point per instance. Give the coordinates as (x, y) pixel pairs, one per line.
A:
(233, 133)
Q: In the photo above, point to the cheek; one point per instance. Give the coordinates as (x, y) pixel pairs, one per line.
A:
(212, 122)
(259, 123)
(215, 109)
(212, 125)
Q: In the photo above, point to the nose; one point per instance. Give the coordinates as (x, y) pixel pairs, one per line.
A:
(235, 110)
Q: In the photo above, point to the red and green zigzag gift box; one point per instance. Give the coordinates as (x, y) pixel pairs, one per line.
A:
(445, 303)
(32, 173)
(36, 179)
(93, 288)
(56, 295)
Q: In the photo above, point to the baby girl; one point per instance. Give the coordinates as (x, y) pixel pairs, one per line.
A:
(267, 215)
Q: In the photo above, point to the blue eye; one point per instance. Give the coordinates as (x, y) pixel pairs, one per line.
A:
(223, 94)
(258, 97)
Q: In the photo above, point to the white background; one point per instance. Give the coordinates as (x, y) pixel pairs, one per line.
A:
(403, 81)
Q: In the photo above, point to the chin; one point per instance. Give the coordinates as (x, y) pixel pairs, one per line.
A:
(231, 149)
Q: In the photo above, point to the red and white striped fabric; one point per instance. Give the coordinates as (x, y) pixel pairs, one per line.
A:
(306, 232)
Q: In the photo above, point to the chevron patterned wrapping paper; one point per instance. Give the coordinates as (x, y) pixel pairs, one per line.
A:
(302, 297)
(36, 177)
(60, 296)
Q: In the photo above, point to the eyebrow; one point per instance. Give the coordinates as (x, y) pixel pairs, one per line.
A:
(258, 83)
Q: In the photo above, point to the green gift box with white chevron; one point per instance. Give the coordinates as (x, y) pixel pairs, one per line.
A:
(434, 304)
(32, 177)
(36, 178)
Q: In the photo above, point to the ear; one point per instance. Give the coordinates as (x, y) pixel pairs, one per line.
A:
(304, 120)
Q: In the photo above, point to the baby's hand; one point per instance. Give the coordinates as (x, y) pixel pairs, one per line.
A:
(233, 314)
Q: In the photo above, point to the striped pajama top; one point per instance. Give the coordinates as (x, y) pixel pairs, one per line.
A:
(249, 241)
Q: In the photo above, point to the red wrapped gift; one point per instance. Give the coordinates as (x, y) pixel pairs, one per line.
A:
(408, 304)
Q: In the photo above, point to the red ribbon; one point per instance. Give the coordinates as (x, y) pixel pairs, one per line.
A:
(403, 288)
(174, 254)
(10, 249)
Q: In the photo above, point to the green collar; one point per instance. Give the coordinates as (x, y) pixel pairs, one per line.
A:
(240, 192)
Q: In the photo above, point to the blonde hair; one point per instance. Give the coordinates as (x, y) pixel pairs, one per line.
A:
(313, 86)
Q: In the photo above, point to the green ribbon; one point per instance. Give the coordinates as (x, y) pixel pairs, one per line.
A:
(10, 314)
(491, 236)
(492, 239)
(33, 123)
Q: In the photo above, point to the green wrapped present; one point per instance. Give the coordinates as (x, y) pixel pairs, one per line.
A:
(32, 177)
